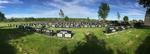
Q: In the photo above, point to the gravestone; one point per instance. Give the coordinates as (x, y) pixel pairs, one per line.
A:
(37, 29)
(147, 18)
(64, 33)
(68, 35)
(85, 26)
(53, 26)
(59, 35)
(49, 32)
(99, 26)
(93, 26)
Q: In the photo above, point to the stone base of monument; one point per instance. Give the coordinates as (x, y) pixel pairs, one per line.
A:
(147, 18)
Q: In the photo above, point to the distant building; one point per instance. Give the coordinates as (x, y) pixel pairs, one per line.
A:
(147, 18)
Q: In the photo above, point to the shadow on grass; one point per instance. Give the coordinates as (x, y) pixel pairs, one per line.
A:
(92, 45)
(144, 48)
(8, 34)
(3, 26)
(64, 50)
(144, 27)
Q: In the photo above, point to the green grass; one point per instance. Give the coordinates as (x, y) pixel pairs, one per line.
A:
(79, 32)
(19, 42)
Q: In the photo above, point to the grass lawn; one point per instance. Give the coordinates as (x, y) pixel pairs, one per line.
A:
(14, 41)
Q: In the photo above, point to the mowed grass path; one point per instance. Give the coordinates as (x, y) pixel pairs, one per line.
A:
(128, 41)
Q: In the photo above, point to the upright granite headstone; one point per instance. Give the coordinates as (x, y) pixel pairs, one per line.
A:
(147, 18)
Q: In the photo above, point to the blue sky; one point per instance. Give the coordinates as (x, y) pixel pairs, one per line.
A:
(71, 8)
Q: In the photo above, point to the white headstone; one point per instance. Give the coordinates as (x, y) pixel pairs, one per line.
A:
(68, 35)
(59, 35)
(53, 25)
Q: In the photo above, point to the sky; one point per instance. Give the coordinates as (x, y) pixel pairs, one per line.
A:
(71, 8)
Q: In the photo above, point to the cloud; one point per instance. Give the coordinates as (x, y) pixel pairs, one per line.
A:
(4, 2)
(133, 12)
(38, 13)
(128, 8)
(10, 1)
(74, 8)
(71, 9)
(2, 7)
(79, 8)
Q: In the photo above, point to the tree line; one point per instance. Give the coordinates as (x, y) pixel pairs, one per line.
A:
(32, 19)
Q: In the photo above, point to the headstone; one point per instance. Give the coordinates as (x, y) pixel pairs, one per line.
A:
(85, 26)
(67, 26)
(53, 26)
(59, 35)
(123, 27)
(49, 32)
(99, 26)
(93, 26)
(37, 30)
(68, 35)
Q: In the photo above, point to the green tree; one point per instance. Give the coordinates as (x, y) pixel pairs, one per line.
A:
(12, 19)
(88, 19)
(61, 13)
(2, 16)
(66, 18)
(145, 3)
(103, 11)
(126, 18)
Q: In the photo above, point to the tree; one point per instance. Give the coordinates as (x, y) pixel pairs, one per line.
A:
(66, 18)
(2, 16)
(88, 19)
(118, 15)
(146, 4)
(12, 19)
(103, 11)
(61, 13)
(125, 18)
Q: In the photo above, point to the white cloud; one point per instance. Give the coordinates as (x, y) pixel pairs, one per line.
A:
(74, 9)
(4, 2)
(45, 13)
(9, 2)
(71, 9)
(129, 8)
(134, 12)
(2, 7)
(17, 1)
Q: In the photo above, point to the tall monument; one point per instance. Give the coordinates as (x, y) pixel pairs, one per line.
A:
(147, 18)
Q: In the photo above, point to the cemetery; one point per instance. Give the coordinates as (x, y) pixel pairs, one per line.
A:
(58, 33)
(70, 36)
(74, 27)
